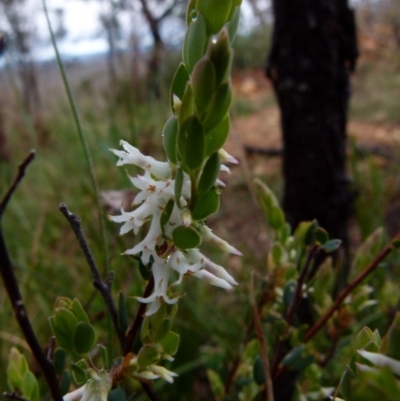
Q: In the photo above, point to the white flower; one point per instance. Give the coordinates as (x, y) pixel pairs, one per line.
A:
(132, 155)
(156, 190)
(95, 389)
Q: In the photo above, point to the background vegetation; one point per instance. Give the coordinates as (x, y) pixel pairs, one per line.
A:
(133, 106)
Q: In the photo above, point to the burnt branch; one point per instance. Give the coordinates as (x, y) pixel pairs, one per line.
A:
(104, 287)
(14, 294)
(21, 172)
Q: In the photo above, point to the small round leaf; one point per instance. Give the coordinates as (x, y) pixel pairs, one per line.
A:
(207, 204)
(84, 338)
(186, 237)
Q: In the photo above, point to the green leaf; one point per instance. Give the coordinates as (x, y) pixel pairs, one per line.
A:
(122, 313)
(186, 237)
(30, 388)
(195, 42)
(288, 293)
(309, 237)
(83, 338)
(78, 311)
(233, 24)
(146, 336)
(166, 213)
(293, 355)
(170, 343)
(191, 12)
(104, 356)
(157, 318)
(148, 355)
(191, 144)
(170, 134)
(163, 329)
(321, 235)
(15, 377)
(216, 138)
(187, 107)
(79, 371)
(217, 385)
(220, 53)
(393, 338)
(178, 186)
(258, 372)
(215, 13)
(59, 361)
(207, 204)
(276, 218)
(65, 382)
(219, 107)
(209, 174)
(331, 246)
(203, 82)
(117, 395)
(64, 323)
(179, 82)
(346, 383)
(277, 253)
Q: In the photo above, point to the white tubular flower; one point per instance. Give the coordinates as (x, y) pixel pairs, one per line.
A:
(226, 157)
(132, 155)
(161, 271)
(97, 388)
(212, 279)
(156, 188)
(74, 395)
(208, 235)
(164, 373)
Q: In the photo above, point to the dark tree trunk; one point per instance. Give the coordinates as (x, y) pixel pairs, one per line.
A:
(314, 50)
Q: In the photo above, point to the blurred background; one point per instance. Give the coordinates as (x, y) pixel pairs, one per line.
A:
(120, 57)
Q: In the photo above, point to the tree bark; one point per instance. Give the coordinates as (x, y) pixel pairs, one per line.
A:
(314, 50)
(313, 53)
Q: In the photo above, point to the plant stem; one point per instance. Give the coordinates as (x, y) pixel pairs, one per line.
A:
(134, 330)
(81, 137)
(346, 291)
(104, 287)
(21, 172)
(263, 344)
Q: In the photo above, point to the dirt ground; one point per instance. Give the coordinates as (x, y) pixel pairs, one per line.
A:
(261, 129)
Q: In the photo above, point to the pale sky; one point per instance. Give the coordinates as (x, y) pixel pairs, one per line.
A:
(85, 34)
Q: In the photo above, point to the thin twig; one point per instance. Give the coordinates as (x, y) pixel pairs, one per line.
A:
(299, 288)
(134, 330)
(14, 294)
(98, 283)
(21, 172)
(350, 287)
(293, 308)
(81, 135)
(50, 351)
(263, 344)
(249, 330)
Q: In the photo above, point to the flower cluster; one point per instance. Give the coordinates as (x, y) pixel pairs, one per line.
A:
(157, 189)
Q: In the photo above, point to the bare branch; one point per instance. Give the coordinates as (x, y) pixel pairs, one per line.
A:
(103, 287)
(263, 344)
(134, 330)
(14, 294)
(350, 287)
(21, 172)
